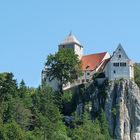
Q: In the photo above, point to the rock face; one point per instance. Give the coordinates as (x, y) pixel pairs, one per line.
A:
(120, 100)
(122, 108)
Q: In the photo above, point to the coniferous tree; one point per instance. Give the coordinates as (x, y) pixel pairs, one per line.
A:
(137, 73)
(87, 130)
(48, 118)
(32, 114)
(103, 123)
(22, 88)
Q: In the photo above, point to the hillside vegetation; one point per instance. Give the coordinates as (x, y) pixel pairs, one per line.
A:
(137, 73)
(38, 114)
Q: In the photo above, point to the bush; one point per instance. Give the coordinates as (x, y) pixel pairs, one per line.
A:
(137, 74)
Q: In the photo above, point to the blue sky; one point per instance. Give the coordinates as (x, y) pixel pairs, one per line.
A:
(32, 29)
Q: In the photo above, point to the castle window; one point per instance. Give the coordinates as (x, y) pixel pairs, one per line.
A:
(120, 56)
(88, 73)
(123, 64)
(116, 64)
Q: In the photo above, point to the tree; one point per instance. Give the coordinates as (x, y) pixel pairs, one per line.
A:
(137, 73)
(104, 126)
(22, 88)
(87, 129)
(64, 66)
(12, 131)
(25, 94)
(28, 113)
(8, 87)
(48, 120)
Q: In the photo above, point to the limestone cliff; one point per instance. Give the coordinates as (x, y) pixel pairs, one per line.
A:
(122, 109)
(121, 102)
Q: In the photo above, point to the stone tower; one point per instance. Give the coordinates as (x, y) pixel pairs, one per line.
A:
(71, 42)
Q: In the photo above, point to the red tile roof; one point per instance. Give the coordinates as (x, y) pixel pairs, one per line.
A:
(91, 62)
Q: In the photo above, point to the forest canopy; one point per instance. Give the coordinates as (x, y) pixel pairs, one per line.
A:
(39, 114)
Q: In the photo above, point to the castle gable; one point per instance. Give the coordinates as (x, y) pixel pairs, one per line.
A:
(119, 54)
(119, 65)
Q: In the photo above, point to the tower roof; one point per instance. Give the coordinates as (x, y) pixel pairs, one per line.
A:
(70, 39)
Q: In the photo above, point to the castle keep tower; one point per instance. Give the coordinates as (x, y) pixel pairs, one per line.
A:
(71, 42)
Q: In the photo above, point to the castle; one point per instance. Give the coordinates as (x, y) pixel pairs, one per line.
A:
(114, 66)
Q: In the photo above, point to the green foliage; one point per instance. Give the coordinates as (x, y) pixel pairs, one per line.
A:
(48, 118)
(64, 66)
(28, 113)
(137, 73)
(32, 114)
(67, 107)
(86, 130)
(30, 136)
(8, 87)
(114, 111)
(12, 131)
(103, 123)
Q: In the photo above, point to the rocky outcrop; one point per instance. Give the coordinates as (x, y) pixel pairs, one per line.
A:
(122, 107)
(120, 100)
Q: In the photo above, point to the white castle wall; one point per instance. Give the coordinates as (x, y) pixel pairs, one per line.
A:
(119, 66)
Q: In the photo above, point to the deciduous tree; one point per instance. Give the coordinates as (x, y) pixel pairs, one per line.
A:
(65, 66)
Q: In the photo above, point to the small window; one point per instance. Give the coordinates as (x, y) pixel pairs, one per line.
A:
(88, 73)
(63, 46)
(116, 64)
(114, 72)
(123, 64)
(119, 49)
(87, 80)
(120, 56)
